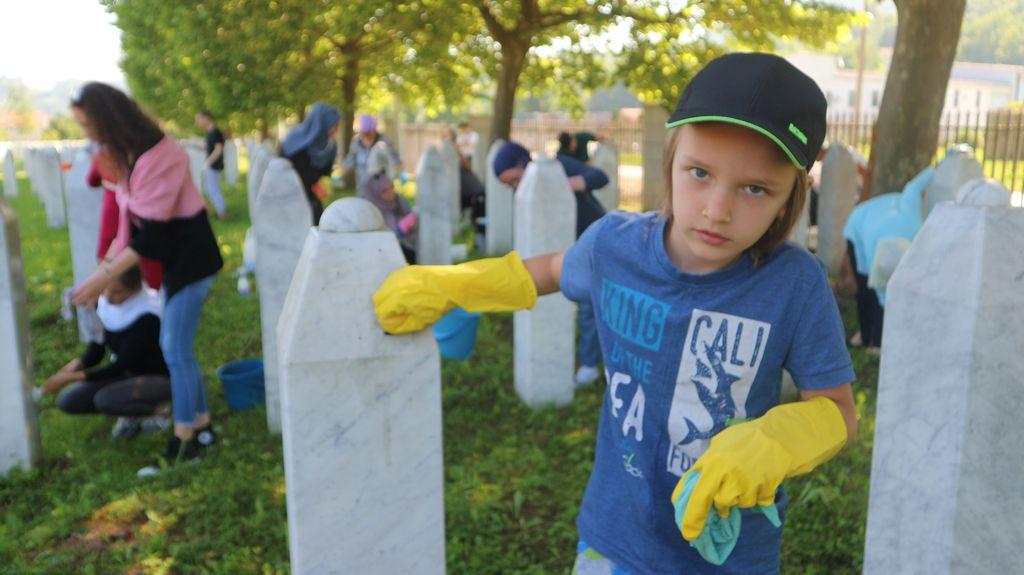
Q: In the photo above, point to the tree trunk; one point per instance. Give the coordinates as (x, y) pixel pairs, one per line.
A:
(915, 89)
(513, 58)
(349, 86)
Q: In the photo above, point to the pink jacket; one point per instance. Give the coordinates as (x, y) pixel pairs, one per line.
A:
(159, 187)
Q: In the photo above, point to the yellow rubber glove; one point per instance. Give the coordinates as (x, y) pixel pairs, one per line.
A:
(746, 462)
(413, 297)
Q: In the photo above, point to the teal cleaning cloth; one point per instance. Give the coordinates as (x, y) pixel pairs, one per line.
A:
(720, 535)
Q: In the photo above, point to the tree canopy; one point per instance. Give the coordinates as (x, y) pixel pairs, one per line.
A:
(253, 63)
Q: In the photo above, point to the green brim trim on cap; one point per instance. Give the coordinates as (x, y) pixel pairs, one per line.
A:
(745, 124)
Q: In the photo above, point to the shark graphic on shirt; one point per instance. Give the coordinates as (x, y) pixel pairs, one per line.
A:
(720, 360)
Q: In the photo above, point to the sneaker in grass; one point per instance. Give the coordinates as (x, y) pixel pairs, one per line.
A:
(206, 437)
(125, 428)
(587, 374)
(154, 424)
(177, 453)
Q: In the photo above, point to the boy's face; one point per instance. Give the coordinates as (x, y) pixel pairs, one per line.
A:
(729, 183)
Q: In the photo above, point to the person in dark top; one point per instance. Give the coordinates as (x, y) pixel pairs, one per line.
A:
(214, 165)
(510, 164)
(575, 145)
(163, 217)
(311, 149)
(134, 384)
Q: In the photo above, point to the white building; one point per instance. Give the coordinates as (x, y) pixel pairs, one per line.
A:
(972, 88)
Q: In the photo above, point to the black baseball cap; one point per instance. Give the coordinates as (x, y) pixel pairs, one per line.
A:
(763, 92)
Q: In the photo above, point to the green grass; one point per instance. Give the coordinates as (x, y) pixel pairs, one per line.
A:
(513, 477)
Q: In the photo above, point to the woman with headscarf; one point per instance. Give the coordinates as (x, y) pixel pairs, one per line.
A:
(398, 216)
(163, 217)
(359, 151)
(311, 149)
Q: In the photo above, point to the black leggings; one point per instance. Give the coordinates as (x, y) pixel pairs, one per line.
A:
(131, 396)
(870, 313)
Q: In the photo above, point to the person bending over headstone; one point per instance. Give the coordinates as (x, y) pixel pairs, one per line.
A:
(134, 384)
(162, 216)
(100, 174)
(398, 216)
(311, 149)
(510, 164)
(575, 144)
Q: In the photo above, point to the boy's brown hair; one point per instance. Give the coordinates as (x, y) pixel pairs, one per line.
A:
(780, 228)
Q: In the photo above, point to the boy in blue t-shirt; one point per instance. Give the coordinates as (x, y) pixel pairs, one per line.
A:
(699, 308)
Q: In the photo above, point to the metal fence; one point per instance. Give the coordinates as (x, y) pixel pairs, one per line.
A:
(997, 138)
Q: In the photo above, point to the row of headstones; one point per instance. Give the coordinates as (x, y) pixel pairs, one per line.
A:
(281, 219)
(46, 178)
(375, 399)
(67, 199)
(19, 440)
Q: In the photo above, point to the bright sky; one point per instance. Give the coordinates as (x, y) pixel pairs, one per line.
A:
(45, 41)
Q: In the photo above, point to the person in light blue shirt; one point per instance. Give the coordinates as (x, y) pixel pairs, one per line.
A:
(893, 215)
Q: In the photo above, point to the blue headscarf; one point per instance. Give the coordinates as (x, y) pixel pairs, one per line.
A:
(510, 155)
(311, 135)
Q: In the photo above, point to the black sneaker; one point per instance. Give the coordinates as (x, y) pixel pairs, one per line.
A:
(205, 437)
(178, 451)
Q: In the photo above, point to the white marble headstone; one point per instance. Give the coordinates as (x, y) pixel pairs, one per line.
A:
(67, 157)
(956, 169)
(984, 192)
(948, 456)
(51, 186)
(84, 207)
(544, 337)
(450, 158)
(196, 161)
(282, 221)
(837, 195)
(499, 207)
(31, 160)
(230, 162)
(10, 174)
(19, 423)
(259, 157)
(361, 411)
(606, 157)
(434, 210)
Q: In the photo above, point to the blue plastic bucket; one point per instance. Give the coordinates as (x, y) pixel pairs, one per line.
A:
(456, 333)
(243, 383)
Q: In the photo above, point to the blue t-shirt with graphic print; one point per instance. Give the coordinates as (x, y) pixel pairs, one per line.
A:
(684, 354)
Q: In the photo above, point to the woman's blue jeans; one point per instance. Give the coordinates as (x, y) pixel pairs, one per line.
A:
(177, 338)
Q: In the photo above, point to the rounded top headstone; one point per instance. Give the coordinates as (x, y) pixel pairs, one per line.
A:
(351, 215)
(983, 192)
